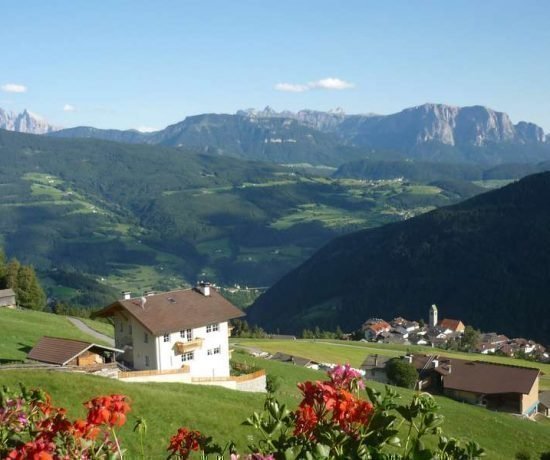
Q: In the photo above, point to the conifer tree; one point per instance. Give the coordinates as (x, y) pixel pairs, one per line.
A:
(2, 268)
(11, 274)
(29, 292)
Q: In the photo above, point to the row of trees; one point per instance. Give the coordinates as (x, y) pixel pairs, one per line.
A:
(23, 280)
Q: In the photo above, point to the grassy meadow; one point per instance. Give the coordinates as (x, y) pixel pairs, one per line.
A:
(335, 351)
(219, 412)
(21, 329)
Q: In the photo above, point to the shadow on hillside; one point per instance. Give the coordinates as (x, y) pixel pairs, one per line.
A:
(24, 348)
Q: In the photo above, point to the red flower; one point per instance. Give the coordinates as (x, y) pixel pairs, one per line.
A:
(185, 441)
(39, 449)
(110, 410)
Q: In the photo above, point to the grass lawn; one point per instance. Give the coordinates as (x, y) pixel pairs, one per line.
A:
(338, 351)
(21, 329)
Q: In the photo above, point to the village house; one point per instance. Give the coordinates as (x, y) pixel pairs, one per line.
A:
(374, 367)
(374, 327)
(7, 298)
(407, 325)
(184, 329)
(75, 353)
(490, 342)
(495, 386)
(449, 326)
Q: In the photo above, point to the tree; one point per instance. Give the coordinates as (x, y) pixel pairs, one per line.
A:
(28, 290)
(11, 274)
(470, 339)
(401, 373)
(2, 267)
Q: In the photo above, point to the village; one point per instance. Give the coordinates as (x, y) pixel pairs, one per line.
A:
(451, 334)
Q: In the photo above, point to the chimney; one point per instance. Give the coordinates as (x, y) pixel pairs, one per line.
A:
(204, 288)
(449, 367)
(143, 300)
(408, 358)
(435, 363)
(126, 295)
(376, 360)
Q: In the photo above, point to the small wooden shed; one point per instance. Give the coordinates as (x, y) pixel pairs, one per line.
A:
(69, 352)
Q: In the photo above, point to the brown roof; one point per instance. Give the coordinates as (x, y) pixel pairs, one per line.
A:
(480, 376)
(452, 324)
(55, 350)
(176, 310)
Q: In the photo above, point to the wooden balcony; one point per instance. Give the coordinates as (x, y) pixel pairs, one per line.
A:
(186, 347)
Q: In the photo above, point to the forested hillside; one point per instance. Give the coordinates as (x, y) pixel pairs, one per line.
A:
(91, 214)
(485, 261)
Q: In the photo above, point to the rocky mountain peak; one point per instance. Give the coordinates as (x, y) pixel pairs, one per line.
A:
(25, 122)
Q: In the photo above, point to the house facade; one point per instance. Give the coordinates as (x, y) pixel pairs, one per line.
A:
(183, 329)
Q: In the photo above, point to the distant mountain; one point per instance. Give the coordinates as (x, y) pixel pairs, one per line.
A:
(430, 132)
(130, 136)
(278, 140)
(485, 261)
(25, 122)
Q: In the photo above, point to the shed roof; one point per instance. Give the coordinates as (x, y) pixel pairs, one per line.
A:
(55, 350)
(175, 310)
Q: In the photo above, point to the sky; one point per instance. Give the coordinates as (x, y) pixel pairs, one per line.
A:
(147, 64)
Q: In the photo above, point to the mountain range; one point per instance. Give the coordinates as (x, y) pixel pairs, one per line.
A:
(429, 132)
(485, 261)
(25, 122)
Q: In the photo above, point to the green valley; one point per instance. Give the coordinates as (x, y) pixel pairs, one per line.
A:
(96, 217)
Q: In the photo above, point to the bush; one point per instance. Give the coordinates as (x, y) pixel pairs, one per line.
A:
(401, 373)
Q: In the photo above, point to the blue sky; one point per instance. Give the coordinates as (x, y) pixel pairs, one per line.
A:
(130, 64)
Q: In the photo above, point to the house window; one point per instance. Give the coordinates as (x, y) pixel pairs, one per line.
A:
(146, 361)
(212, 327)
(167, 337)
(130, 329)
(186, 334)
(145, 337)
(214, 351)
(188, 356)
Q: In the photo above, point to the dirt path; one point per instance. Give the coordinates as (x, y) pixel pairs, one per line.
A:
(88, 330)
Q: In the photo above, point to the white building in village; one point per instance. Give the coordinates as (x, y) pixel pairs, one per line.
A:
(173, 330)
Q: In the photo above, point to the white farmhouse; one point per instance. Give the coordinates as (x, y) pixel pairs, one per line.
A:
(174, 330)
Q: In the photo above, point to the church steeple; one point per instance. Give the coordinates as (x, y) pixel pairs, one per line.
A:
(433, 315)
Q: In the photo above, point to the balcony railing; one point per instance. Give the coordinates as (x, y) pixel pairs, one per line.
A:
(191, 345)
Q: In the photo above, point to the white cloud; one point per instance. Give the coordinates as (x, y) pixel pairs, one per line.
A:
(331, 83)
(69, 108)
(324, 83)
(14, 88)
(291, 87)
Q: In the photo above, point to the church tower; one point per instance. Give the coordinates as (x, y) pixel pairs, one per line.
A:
(433, 315)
